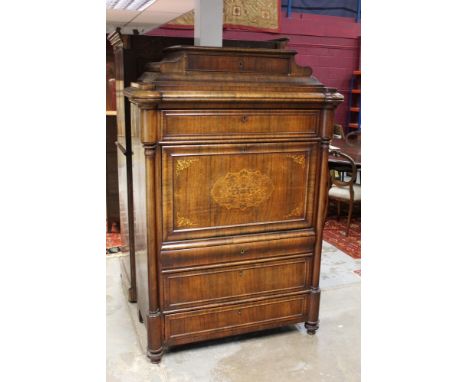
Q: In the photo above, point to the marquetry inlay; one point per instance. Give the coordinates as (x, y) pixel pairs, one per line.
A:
(296, 212)
(182, 164)
(183, 222)
(299, 159)
(244, 189)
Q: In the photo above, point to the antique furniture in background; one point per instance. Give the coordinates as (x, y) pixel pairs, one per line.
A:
(112, 189)
(353, 150)
(353, 139)
(343, 188)
(130, 54)
(338, 132)
(230, 187)
(112, 182)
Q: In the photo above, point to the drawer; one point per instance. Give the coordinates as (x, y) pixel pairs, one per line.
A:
(217, 284)
(238, 64)
(207, 324)
(216, 251)
(245, 124)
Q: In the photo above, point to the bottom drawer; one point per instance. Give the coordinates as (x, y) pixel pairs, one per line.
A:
(230, 320)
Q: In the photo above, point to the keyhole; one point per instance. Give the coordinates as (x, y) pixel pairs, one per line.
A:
(244, 118)
(242, 251)
(241, 65)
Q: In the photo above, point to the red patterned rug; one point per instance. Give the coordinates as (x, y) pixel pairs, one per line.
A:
(113, 242)
(334, 233)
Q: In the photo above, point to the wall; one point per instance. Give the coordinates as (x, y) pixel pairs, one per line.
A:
(329, 45)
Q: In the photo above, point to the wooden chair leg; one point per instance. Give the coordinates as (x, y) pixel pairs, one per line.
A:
(350, 212)
(338, 208)
(326, 209)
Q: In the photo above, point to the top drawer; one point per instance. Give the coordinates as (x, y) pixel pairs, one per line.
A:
(243, 124)
(238, 64)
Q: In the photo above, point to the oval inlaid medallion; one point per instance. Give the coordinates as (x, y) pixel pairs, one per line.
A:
(243, 189)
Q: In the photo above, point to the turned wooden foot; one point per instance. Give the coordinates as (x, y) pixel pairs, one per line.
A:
(131, 295)
(311, 327)
(155, 356)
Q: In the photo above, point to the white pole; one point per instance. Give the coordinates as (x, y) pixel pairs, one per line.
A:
(208, 22)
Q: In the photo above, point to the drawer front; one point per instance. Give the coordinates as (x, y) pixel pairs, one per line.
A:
(245, 124)
(223, 190)
(205, 252)
(235, 319)
(239, 64)
(214, 285)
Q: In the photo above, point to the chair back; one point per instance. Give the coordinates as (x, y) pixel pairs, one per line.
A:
(350, 165)
(354, 138)
(338, 131)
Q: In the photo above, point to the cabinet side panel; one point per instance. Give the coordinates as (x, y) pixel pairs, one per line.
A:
(139, 197)
(123, 196)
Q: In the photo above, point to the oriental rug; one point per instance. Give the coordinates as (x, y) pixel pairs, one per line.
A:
(113, 242)
(334, 233)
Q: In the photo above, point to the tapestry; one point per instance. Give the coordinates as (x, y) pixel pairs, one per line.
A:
(260, 15)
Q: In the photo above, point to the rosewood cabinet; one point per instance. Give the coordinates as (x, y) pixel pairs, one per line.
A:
(230, 186)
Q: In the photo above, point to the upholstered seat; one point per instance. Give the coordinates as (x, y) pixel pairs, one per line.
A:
(343, 193)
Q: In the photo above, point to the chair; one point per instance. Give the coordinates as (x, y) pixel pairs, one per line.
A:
(353, 138)
(338, 131)
(344, 190)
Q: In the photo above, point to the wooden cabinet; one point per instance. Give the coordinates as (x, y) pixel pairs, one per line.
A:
(230, 184)
(112, 190)
(112, 187)
(130, 53)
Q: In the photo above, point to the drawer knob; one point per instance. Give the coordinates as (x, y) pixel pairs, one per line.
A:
(242, 251)
(244, 118)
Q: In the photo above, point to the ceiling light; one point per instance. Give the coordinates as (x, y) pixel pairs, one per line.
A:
(129, 5)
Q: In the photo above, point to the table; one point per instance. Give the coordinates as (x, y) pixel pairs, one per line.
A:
(354, 151)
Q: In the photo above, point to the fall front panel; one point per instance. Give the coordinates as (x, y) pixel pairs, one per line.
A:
(235, 189)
